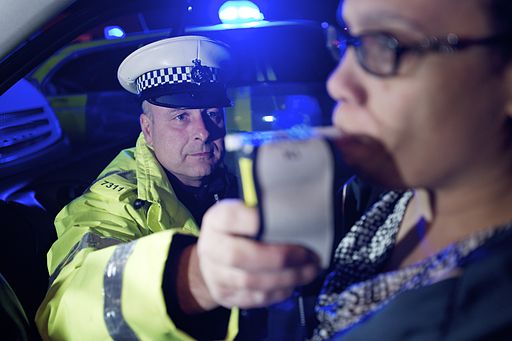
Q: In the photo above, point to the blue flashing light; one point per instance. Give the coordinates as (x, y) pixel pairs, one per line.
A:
(236, 12)
(113, 32)
(268, 118)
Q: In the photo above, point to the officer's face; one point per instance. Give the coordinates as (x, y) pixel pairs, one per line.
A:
(187, 142)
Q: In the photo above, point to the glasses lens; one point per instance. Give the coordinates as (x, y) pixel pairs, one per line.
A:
(377, 53)
(335, 43)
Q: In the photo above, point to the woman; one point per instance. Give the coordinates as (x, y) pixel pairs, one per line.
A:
(424, 93)
(426, 86)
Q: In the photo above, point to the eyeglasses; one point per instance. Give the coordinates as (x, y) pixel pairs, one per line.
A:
(379, 53)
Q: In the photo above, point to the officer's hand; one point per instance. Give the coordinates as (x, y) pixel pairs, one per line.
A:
(239, 271)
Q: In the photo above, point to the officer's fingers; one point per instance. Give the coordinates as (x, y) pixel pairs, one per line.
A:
(233, 217)
(228, 293)
(254, 299)
(287, 278)
(252, 255)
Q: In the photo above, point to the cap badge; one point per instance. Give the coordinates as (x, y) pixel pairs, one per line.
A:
(200, 74)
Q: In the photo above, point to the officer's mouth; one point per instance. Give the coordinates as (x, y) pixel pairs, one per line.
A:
(205, 155)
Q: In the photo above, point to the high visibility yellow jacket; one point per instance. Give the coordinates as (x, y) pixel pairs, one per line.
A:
(106, 268)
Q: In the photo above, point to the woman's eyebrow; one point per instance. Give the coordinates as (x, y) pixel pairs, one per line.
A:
(382, 17)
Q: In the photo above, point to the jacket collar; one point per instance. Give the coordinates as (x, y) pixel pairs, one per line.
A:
(151, 178)
(153, 186)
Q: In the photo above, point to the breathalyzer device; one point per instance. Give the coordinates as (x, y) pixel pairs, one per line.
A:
(289, 176)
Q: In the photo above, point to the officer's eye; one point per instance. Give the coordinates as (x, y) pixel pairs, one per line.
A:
(215, 116)
(181, 117)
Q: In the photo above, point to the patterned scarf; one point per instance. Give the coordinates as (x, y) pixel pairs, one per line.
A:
(355, 289)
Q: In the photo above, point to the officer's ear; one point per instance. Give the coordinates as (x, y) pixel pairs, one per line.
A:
(145, 125)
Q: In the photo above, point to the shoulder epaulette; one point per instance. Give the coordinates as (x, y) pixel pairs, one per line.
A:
(117, 184)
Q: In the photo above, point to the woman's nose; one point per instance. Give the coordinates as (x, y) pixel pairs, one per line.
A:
(345, 82)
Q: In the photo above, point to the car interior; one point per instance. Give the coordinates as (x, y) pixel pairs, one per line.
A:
(64, 116)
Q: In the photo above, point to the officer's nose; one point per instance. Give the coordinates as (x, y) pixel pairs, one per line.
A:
(201, 131)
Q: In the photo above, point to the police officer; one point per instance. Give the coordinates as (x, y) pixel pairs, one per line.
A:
(123, 265)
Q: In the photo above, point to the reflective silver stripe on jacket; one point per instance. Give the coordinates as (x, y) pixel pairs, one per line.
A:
(88, 240)
(113, 287)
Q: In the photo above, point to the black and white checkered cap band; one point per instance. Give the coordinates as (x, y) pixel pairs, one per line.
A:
(172, 75)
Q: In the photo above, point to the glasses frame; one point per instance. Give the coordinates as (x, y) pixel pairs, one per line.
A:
(448, 44)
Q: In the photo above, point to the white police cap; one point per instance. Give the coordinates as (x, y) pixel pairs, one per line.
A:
(186, 71)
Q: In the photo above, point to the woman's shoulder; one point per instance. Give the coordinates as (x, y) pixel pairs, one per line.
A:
(474, 305)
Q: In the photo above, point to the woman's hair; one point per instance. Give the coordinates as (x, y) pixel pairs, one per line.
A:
(500, 16)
